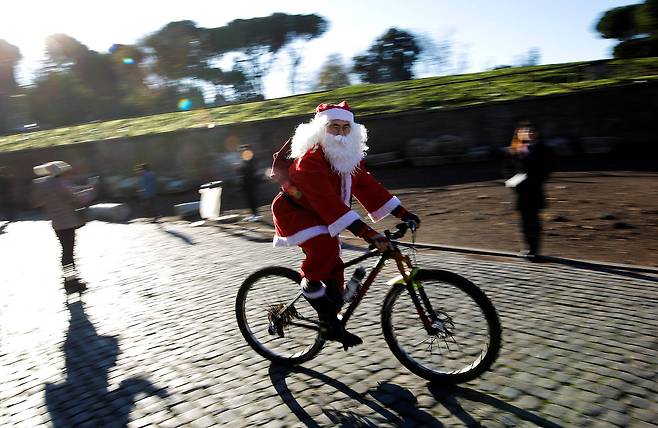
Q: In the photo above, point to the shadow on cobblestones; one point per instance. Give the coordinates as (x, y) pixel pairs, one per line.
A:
(599, 268)
(84, 399)
(448, 396)
(178, 235)
(249, 232)
(278, 375)
(404, 403)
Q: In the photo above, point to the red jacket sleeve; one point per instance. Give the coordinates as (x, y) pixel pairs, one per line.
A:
(372, 194)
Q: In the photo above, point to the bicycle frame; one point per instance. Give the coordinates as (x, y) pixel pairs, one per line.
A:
(368, 282)
(362, 290)
(407, 272)
(403, 263)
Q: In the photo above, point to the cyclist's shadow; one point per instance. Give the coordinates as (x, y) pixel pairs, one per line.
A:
(278, 375)
(396, 404)
(84, 397)
(447, 396)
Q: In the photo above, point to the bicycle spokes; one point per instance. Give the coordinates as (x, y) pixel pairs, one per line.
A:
(274, 320)
(441, 327)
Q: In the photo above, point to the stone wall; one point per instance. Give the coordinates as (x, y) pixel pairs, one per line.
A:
(184, 159)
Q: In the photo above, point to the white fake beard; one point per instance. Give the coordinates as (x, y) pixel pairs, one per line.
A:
(343, 156)
(345, 152)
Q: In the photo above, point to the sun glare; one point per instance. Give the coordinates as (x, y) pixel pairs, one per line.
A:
(26, 29)
(27, 24)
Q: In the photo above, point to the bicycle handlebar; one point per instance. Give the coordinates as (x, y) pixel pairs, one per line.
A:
(401, 230)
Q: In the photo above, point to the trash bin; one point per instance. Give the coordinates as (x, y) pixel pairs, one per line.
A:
(211, 200)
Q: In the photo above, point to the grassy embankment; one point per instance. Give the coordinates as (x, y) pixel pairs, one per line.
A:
(419, 94)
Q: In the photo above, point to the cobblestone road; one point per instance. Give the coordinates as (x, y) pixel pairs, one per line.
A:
(154, 342)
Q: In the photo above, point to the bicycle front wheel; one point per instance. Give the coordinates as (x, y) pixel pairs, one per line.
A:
(275, 320)
(463, 335)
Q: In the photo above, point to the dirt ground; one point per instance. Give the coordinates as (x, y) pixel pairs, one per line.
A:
(610, 217)
(599, 215)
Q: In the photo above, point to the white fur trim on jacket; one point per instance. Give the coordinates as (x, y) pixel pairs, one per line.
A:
(299, 237)
(345, 220)
(384, 210)
(346, 188)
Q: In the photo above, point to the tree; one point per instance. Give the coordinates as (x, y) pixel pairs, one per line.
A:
(390, 58)
(178, 51)
(60, 98)
(618, 23)
(296, 57)
(333, 74)
(635, 26)
(647, 17)
(434, 58)
(531, 57)
(181, 51)
(257, 42)
(105, 85)
(9, 57)
(64, 51)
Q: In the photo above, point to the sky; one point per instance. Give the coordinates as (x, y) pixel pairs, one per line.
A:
(483, 33)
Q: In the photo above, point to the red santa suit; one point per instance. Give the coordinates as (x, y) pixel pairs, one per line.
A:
(313, 217)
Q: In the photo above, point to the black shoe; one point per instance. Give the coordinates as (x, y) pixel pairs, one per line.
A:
(349, 340)
(330, 326)
(74, 285)
(335, 331)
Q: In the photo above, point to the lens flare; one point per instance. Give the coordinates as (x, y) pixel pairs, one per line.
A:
(184, 104)
(128, 61)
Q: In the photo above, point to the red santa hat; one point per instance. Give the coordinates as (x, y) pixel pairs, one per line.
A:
(339, 111)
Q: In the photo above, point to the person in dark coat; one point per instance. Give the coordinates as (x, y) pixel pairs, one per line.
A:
(249, 180)
(531, 162)
(6, 194)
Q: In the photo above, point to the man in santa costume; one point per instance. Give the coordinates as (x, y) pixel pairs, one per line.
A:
(314, 207)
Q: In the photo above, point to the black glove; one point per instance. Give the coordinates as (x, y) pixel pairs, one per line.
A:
(406, 216)
(380, 241)
(371, 236)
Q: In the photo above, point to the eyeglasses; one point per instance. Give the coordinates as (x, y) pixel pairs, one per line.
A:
(335, 128)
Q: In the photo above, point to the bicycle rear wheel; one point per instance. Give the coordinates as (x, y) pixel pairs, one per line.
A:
(464, 338)
(275, 320)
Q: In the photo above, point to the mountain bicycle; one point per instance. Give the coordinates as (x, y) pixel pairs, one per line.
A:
(438, 324)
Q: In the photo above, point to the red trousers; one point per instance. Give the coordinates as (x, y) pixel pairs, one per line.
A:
(322, 260)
